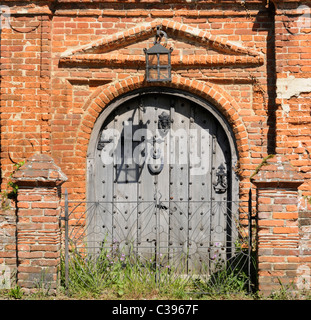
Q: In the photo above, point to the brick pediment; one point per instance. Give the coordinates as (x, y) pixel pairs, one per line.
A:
(108, 51)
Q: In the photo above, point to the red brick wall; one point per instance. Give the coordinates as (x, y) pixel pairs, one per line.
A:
(238, 82)
(38, 236)
(278, 237)
(43, 100)
(25, 88)
(293, 69)
(38, 222)
(251, 62)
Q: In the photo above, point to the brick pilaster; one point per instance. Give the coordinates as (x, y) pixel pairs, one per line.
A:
(7, 247)
(38, 228)
(278, 231)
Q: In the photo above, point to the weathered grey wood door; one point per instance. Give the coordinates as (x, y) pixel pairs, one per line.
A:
(162, 162)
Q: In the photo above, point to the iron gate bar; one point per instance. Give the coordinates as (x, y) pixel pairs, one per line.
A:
(250, 219)
(66, 240)
(96, 204)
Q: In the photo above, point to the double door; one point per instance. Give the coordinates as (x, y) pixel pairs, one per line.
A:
(161, 174)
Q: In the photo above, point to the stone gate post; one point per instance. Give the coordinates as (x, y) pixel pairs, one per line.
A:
(278, 239)
(38, 226)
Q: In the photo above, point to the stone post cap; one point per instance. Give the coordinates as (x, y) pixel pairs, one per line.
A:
(277, 171)
(39, 169)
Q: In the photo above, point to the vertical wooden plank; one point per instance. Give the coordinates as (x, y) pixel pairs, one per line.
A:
(125, 183)
(219, 210)
(146, 187)
(179, 186)
(91, 221)
(103, 191)
(200, 185)
(162, 179)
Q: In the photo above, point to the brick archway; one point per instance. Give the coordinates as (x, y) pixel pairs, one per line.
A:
(213, 93)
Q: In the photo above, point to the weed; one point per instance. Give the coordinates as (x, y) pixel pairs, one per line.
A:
(16, 292)
(43, 285)
(10, 193)
(284, 293)
(129, 276)
(263, 163)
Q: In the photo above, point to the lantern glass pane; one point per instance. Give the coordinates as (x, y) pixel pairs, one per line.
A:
(153, 74)
(163, 59)
(164, 73)
(153, 60)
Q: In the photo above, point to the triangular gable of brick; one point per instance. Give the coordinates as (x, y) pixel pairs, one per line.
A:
(97, 51)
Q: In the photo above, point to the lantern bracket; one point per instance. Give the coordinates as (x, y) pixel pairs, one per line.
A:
(158, 59)
(159, 35)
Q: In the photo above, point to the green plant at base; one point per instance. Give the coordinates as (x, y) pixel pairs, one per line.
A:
(284, 293)
(226, 281)
(43, 285)
(16, 292)
(125, 274)
(226, 276)
(120, 273)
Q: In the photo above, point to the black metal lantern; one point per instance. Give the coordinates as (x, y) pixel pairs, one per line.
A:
(158, 60)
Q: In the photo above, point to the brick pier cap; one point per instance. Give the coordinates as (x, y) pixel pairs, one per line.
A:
(277, 171)
(39, 169)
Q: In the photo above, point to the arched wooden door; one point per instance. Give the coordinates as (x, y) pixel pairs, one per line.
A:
(161, 169)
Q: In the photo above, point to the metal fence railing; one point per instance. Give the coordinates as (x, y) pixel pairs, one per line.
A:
(204, 244)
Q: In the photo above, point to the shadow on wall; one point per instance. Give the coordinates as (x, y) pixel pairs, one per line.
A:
(261, 24)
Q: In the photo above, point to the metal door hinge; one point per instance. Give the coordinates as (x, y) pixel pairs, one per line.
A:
(221, 185)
